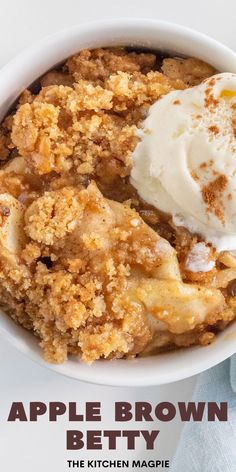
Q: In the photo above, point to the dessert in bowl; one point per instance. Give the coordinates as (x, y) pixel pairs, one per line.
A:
(117, 206)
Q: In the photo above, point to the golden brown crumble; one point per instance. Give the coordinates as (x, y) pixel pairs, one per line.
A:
(85, 264)
(191, 70)
(100, 64)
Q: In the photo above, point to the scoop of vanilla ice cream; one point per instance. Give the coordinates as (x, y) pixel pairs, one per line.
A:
(185, 163)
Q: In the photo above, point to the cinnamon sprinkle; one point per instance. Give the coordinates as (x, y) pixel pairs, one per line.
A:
(212, 81)
(212, 193)
(214, 129)
(194, 175)
(206, 164)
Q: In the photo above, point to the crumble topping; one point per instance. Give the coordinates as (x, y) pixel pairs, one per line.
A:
(85, 264)
(191, 70)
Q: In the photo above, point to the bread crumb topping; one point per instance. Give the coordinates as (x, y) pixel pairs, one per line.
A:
(85, 264)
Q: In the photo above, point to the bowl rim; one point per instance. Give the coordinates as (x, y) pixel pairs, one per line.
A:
(144, 375)
(117, 23)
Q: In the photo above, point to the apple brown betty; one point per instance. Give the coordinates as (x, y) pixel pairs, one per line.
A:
(85, 264)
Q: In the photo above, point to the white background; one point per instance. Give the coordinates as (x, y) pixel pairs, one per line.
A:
(41, 447)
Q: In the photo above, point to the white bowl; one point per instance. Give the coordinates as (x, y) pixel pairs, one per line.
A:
(20, 73)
